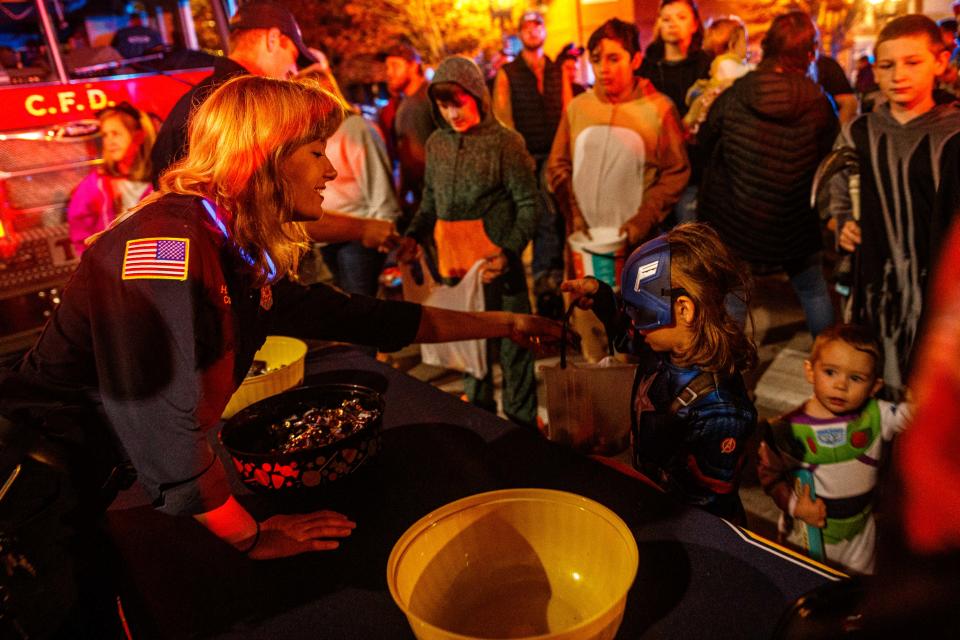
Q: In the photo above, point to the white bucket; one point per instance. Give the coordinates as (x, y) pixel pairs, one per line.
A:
(601, 257)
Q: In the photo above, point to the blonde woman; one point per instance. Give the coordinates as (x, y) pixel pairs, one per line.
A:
(160, 323)
(122, 180)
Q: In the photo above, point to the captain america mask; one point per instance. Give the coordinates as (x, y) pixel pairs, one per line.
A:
(645, 286)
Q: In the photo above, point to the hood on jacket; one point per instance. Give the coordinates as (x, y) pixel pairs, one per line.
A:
(464, 73)
(778, 96)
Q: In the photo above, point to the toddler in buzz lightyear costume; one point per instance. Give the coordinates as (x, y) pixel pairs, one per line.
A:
(837, 435)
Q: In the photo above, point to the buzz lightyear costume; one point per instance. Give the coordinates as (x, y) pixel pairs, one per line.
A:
(843, 454)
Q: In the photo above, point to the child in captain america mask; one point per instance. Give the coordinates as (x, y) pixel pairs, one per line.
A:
(691, 413)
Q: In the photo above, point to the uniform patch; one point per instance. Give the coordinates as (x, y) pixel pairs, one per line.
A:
(156, 259)
(266, 298)
(728, 445)
(832, 437)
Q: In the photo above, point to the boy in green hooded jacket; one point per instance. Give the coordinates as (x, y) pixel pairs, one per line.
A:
(480, 202)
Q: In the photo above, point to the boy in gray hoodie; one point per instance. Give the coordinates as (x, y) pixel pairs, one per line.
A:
(480, 202)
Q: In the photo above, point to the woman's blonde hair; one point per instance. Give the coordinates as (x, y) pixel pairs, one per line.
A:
(138, 123)
(325, 78)
(702, 265)
(239, 137)
(723, 34)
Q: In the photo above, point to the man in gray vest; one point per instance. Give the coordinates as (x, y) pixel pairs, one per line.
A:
(529, 96)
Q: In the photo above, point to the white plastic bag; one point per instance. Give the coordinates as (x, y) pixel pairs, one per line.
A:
(469, 356)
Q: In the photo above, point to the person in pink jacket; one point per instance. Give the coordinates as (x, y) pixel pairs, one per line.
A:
(121, 181)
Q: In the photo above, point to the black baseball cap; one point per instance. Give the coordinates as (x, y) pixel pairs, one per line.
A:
(570, 51)
(267, 15)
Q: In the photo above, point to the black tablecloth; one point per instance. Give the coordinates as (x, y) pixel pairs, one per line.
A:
(698, 576)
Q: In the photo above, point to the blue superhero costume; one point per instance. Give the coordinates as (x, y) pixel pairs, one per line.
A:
(689, 426)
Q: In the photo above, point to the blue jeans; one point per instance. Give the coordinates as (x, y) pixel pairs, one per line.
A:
(806, 276)
(355, 268)
(550, 236)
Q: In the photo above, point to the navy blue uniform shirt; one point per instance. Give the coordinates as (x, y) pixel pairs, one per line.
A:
(156, 329)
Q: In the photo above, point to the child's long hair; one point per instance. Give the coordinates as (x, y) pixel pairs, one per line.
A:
(239, 137)
(702, 264)
(142, 129)
(722, 35)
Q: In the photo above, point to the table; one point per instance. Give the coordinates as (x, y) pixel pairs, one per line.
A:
(699, 576)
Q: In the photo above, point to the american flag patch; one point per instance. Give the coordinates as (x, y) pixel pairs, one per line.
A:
(156, 259)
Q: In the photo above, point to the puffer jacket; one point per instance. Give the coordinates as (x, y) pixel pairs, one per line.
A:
(764, 138)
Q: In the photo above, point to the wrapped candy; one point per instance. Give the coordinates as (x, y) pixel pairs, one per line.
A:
(321, 426)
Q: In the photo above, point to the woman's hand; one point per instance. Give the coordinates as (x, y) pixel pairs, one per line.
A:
(493, 267)
(534, 332)
(813, 512)
(288, 535)
(582, 291)
(849, 236)
(379, 234)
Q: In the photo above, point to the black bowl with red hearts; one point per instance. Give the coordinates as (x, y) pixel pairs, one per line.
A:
(306, 438)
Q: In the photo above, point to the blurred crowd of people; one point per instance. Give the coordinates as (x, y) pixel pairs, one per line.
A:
(770, 156)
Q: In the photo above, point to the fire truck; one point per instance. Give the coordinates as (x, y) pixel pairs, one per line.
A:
(50, 140)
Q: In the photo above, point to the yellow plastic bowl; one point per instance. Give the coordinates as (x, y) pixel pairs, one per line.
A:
(286, 356)
(518, 563)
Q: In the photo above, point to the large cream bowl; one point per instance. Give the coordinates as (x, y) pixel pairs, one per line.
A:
(517, 563)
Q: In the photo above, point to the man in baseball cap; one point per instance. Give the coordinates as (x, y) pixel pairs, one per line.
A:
(529, 95)
(267, 15)
(407, 121)
(264, 41)
(530, 16)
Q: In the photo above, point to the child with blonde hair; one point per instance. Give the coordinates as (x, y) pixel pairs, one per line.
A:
(838, 435)
(726, 41)
(692, 415)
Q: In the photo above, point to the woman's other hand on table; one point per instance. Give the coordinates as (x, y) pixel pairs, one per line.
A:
(289, 535)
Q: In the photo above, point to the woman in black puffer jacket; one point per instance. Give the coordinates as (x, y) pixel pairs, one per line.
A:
(765, 137)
